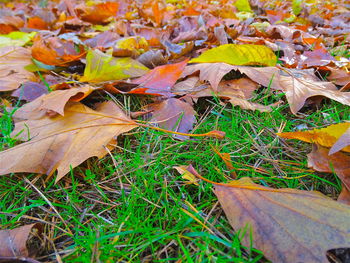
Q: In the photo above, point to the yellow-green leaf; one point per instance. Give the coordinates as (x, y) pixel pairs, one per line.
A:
(103, 67)
(238, 55)
(296, 7)
(17, 39)
(243, 5)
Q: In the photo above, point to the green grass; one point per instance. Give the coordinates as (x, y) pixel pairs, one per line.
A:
(135, 207)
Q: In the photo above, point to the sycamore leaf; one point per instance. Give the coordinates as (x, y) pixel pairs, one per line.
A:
(13, 61)
(54, 101)
(320, 160)
(326, 137)
(102, 67)
(160, 79)
(233, 54)
(17, 39)
(288, 225)
(59, 143)
(14, 242)
(173, 114)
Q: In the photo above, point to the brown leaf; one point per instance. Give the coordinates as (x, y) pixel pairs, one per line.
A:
(173, 114)
(30, 90)
(54, 101)
(12, 71)
(59, 143)
(14, 242)
(288, 225)
(320, 160)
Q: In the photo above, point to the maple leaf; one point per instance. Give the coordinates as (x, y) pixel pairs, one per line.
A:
(59, 143)
(288, 225)
(13, 61)
(327, 137)
(54, 101)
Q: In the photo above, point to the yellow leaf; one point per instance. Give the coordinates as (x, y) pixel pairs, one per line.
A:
(238, 55)
(186, 174)
(243, 5)
(132, 43)
(326, 137)
(102, 67)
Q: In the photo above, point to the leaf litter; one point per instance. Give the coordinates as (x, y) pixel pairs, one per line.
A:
(175, 53)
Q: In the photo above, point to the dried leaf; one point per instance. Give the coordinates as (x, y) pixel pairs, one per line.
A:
(59, 143)
(101, 67)
(186, 173)
(238, 55)
(173, 114)
(100, 13)
(14, 242)
(55, 101)
(320, 160)
(13, 61)
(326, 137)
(288, 225)
(30, 90)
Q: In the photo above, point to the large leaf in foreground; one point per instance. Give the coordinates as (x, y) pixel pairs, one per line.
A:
(12, 71)
(288, 225)
(243, 55)
(60, 142)
(103, 67)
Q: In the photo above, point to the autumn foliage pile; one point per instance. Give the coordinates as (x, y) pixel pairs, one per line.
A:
(55, 55)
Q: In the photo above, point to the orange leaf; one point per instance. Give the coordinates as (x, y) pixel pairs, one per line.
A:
(37, 23)
(100, 13)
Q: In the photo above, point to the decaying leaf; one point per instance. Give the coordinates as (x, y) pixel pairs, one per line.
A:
(62, 142)
(326, 137)
(238, 55)
(102, 67)
(288, 225)
(320, 160)
(14, 242)
(30, 90)
(13, 61)
(54, 101)
(173, 114)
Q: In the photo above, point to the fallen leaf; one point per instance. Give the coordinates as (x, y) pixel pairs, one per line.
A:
(233, 54)
(173, 114)
(30, 90)
(17, 39)
(36, 22)
(320, 160)
(55, 101)
(326, 137)
(160, 79)
(13, 61)
(288, 225)
(14, 242)
(56, 52)
(101, 67)
(61, 143)
(243, 6)
(186, 173)
(342, 143)
(152, 58)
(100, 13)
